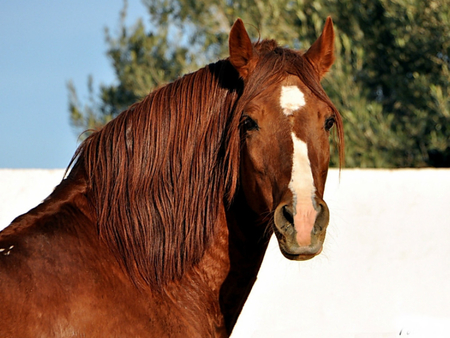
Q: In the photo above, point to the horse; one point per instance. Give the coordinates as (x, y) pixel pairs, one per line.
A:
(162, 220)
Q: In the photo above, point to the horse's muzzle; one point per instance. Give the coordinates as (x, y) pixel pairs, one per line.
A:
(301, 241)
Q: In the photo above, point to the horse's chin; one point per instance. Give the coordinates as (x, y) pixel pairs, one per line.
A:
(300, 254)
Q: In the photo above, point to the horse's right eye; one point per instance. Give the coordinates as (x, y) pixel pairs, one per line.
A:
(249, 124)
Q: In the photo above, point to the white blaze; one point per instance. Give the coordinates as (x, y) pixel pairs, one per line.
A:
(303, 190)
(291, 99)
(302, 181)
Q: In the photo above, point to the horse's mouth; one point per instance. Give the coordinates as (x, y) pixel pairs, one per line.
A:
(300, 254)
(292, 251)
(304, 256)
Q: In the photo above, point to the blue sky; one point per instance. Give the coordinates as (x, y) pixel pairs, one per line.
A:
(43, 45)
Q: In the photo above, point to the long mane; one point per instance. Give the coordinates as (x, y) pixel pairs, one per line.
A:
(160, 172)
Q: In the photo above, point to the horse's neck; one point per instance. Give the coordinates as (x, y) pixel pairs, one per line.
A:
(195, 298)
(221, 282)
(248, 240)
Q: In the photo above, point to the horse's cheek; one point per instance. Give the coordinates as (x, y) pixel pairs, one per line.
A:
(255, 183)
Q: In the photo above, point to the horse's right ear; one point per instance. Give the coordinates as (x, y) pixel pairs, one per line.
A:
(241, 49)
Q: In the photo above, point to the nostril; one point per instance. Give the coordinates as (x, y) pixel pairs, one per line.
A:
(288, 214)
(323, 217)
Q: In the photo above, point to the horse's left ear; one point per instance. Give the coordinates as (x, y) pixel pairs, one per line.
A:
(321, 53)
(241, 49)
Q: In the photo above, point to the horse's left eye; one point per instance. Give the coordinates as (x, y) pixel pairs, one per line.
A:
(249, 124)
(329, 123)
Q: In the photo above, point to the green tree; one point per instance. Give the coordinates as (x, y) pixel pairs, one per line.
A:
(390, 80)
(406, 46)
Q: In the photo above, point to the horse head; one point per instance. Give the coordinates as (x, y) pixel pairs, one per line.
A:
(286, 124)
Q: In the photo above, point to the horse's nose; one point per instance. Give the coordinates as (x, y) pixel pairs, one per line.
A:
(322, 218)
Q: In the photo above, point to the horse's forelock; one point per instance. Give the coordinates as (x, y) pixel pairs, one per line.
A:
(159, 173)
(276, 62)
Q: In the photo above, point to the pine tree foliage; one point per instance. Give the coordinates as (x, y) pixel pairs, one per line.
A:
(391, 78)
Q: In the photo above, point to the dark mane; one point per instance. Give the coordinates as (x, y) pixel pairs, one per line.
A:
(170, 162)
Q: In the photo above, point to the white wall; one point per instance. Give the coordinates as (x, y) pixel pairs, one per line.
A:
(23, 189)
(384, 271)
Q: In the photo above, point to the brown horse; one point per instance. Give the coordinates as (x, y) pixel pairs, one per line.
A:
(161, 225)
